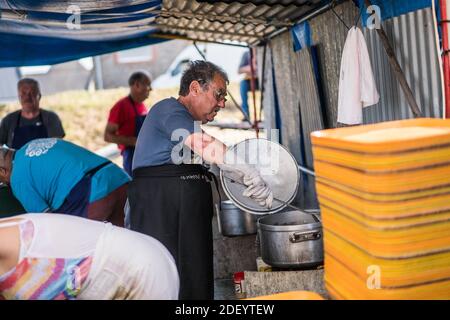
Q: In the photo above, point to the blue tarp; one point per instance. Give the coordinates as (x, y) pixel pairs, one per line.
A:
(393, 8)
(47, 32)
(301, 34)
(36, 32)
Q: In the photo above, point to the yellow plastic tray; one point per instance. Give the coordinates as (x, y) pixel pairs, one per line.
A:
(384, 224)
(395, 182)
(343, 283)
(384, 162)
(390, 243)
(382, 210)
(385, 197)
(394, 272)
(386, 137)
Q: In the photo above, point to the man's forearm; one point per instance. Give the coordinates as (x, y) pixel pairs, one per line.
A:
(209, 148)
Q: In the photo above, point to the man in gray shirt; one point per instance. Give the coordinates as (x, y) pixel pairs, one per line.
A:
(31, 122)
(170, 196)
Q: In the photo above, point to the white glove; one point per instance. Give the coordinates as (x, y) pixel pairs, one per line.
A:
(261, 193)
(247, 175)
(235, 173)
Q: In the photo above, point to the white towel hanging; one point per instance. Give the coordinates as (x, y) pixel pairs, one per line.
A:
(357, 88)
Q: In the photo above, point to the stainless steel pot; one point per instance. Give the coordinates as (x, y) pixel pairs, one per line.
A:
(235, 222)
(291, 239)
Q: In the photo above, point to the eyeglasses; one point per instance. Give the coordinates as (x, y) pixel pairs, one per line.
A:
(219, 94)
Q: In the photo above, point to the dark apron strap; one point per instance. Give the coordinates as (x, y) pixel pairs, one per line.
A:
(138, 119)
(20, 116)
(23, 135)
(129, 150)
(212, 177)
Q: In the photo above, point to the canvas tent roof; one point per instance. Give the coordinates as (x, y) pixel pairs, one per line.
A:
(36, 32)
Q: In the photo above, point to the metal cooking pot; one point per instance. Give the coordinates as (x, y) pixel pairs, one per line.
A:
(291, 239)
(235, 222)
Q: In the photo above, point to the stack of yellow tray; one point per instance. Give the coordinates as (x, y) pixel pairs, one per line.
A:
(384, 193)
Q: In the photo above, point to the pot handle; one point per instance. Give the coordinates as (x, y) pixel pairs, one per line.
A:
(304, 236)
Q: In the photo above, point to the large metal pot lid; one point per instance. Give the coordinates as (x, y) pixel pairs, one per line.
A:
(277, 167)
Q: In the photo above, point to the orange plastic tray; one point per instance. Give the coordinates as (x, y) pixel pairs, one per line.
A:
(390, 243)
(393, 182)
(394, 136)
(343, 283)
(382, 209)
(384, 162)
(385, 196)
(394, 272)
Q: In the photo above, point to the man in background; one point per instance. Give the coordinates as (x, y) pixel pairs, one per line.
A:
(127, 116)
(31, 122)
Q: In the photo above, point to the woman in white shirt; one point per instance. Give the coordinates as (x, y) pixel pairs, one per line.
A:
(53, 256)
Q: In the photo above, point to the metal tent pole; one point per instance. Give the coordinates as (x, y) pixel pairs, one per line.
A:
(397, 69)
(445, 10)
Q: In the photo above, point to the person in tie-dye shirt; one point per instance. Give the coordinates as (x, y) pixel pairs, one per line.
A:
(47, 257)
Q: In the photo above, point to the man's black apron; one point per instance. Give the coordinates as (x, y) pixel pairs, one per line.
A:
(173, 203)
(23, 135)
(128, 153)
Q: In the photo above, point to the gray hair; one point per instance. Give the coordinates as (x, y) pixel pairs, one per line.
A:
(29, 81)
(202, 71)
(139, 76)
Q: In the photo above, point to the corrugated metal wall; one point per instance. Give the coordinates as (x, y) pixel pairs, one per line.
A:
(285, 80)
(329, 35)
(245, 21)
(413, 39)
(299, 106)
(268, 96)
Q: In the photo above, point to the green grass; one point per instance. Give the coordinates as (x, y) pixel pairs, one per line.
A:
(84, 114)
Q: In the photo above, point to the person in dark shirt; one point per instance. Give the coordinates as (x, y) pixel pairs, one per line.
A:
(31, 122)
